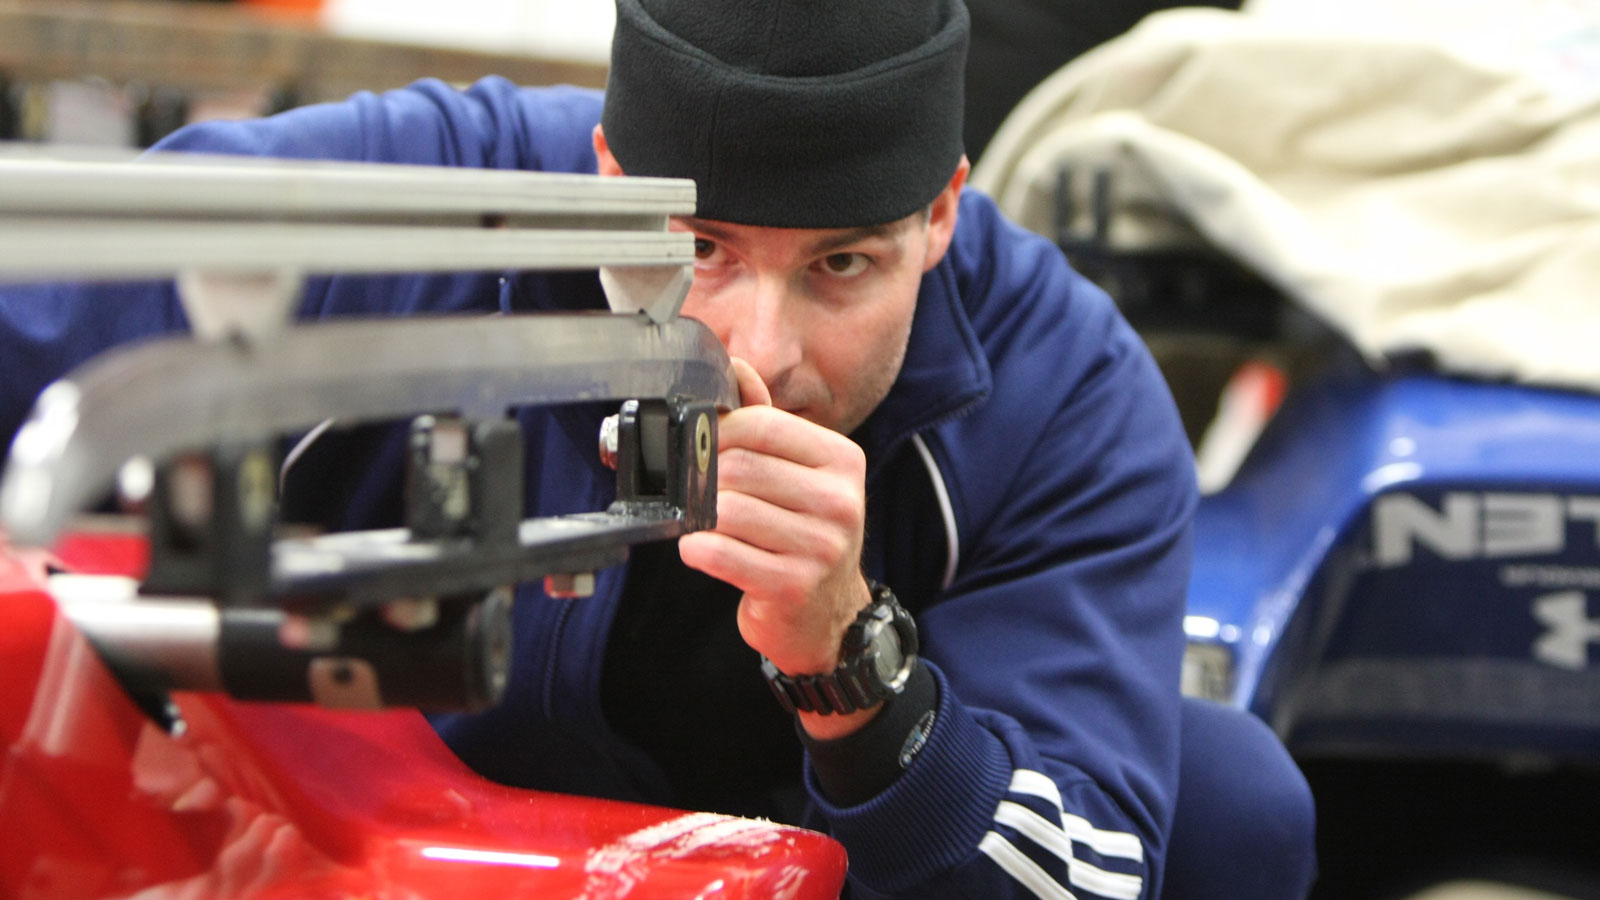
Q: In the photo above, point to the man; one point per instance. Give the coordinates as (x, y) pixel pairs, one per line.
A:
(935, 408)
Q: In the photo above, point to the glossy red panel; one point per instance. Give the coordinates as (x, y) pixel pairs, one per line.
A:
(274, 800)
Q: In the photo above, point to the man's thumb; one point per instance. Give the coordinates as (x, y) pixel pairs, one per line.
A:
(752, 390)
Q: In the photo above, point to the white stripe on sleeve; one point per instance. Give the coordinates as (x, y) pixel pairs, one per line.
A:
(1119, 844)
(1081, 874)
(1024, 870)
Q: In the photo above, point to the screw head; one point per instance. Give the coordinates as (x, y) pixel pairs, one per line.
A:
(702, 442)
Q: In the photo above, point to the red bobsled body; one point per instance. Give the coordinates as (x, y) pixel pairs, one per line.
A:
(277, 800)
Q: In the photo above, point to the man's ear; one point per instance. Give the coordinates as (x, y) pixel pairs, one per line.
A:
(602, 154)
(942, 216)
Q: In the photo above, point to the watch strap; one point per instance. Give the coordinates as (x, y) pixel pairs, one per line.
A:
(828, 693)
(855, 684)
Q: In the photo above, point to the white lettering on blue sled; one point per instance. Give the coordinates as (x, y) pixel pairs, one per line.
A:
(1568, 630)
(1469, 525)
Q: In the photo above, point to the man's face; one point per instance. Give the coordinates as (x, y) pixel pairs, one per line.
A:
(822, 315)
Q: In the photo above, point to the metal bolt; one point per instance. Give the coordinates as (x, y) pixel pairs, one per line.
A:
(256, 490)
(313, 634)
(411, 613)
(136, 480)
(570, 585)
(189, 491)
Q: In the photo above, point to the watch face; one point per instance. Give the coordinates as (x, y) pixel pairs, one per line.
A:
(889, 656)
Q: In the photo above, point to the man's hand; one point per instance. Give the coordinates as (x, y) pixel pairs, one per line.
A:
(791, 510)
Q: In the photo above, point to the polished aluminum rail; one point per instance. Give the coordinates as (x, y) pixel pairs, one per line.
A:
(168, 215)
(183, 184)
(239, 233)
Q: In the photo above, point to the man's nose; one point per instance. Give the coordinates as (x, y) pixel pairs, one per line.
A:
(762, 331)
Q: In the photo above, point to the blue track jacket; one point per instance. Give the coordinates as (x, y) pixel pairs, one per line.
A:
(1030, 494)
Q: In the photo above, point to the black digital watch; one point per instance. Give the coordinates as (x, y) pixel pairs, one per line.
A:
(876, 658)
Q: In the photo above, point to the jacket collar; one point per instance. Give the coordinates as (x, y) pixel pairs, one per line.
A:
(945, 372)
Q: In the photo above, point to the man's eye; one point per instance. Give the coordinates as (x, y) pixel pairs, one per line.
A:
(703, 249)
(845, 264)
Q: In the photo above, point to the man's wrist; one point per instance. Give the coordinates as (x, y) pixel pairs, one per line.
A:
(854, 767)
(876, 658)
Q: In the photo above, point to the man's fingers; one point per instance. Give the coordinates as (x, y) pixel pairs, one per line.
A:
(730, 560)
(781, 614)
(765, 429)
(789, 485)
(760, 523)
(760, 427)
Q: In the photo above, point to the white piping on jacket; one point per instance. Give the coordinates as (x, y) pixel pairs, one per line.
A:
(952, 540)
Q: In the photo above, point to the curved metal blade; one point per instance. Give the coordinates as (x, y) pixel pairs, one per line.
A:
(177, 394)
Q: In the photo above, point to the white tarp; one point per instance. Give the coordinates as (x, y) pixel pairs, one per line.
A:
(1415, 193)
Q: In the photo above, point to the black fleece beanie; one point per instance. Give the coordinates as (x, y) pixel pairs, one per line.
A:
(791, 113)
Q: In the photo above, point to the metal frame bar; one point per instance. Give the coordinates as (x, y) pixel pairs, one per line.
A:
(63, 248)
(158, 398)
(178, 184)
(173, 213)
